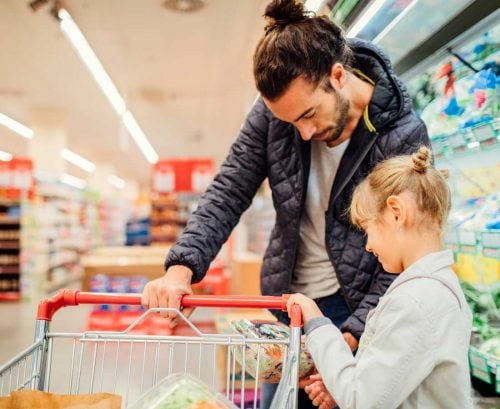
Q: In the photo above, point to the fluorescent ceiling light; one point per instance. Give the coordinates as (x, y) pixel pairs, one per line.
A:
(363, 20)
(313, 5)
(5, 156)
(77, 160)
(116, 181)
(82, 47)
(73, 181)
(139, 137)
(15, 126)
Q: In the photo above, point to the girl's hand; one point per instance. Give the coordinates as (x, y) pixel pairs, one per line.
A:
(318, 393)
(309, 308)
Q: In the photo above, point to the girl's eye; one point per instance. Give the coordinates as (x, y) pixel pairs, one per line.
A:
(310, 115)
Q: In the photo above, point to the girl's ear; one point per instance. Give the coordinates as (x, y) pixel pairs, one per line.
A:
(397, 209)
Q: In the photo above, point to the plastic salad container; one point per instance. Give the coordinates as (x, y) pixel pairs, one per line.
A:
(182, 391)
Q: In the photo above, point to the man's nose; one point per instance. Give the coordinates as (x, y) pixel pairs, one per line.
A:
(306, 130)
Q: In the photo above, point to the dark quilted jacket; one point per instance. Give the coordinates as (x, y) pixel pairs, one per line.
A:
(268, 147)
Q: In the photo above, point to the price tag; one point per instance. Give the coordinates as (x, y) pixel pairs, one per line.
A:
(490, 239)
(467, 237)
(484, 132)
(479, 366)
(491, 253)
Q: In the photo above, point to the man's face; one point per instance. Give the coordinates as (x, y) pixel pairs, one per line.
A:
(316, 113)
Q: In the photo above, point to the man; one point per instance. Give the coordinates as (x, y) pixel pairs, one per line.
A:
(330, 109)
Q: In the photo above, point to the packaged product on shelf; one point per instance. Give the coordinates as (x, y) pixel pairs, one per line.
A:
(182, 391)
(269, 356)
(491, 347)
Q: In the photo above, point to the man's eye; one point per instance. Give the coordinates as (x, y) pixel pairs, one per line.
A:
(309, 115)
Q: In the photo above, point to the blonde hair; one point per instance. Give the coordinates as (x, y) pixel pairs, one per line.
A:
(409, 173)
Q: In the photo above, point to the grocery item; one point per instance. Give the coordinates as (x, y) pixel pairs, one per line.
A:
(269, 356)
(491, 347)
(182, 391)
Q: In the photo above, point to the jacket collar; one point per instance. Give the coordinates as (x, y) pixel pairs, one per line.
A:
(390, 98)
(427, 267)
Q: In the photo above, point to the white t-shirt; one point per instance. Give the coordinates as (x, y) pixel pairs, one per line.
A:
(314, 273)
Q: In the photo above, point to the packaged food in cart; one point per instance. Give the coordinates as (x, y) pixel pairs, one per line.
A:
(182, 391)
(268, 357)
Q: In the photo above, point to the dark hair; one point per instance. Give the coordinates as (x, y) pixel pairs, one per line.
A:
(296, 43)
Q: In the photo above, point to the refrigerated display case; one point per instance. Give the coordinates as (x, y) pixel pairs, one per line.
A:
(456, 92)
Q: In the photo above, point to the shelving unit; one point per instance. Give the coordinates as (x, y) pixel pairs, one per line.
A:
(10, 250)
(169, 215)
(460, 107)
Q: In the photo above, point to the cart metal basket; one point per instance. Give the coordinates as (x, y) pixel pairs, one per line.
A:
(129, 364)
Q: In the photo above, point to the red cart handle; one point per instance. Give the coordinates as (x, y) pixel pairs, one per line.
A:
(66, 297)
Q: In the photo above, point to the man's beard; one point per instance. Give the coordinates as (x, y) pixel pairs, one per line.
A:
(340, 122)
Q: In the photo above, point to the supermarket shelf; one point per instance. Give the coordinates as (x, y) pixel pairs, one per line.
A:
(9, 246)
(69, 279)
(9, 269)
(9, 222)
(10, 296)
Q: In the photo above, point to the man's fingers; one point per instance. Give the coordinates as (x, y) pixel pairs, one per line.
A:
(145, 297)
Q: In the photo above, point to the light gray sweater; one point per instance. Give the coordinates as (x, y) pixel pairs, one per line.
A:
(414, 351)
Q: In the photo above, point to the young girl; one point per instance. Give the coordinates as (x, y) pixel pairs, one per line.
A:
(413, 353)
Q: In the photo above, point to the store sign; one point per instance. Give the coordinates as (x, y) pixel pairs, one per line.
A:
(16, 178)
(163, 178)
(182, 175)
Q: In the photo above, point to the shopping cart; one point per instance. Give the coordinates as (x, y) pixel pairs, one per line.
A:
(129, 364)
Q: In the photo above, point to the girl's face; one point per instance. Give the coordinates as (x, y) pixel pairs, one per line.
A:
(384, 241)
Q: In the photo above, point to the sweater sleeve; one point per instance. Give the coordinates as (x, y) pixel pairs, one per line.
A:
(392, 361)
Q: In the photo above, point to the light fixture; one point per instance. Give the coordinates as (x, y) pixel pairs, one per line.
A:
(313, 5)
(73, 181)
(183, 6)
(365, 17)
(15, 126)
(139, 137)
(5, 156)
(117, 182)
(77, 160)
(87, 55)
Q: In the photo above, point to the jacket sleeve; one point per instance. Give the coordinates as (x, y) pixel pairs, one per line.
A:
(229, 195)
(411, 136)
(397, 355)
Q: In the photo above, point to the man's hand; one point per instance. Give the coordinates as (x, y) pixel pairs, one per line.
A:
(351, 341)
(309, 308)
(167, 291)
(318, 393)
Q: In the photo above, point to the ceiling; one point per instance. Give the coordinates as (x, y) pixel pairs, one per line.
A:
(186, 77)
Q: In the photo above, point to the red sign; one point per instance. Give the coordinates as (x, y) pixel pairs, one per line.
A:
(16, 178)
(182, 175)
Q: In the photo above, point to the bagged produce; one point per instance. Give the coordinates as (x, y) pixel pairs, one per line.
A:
(269, 356)
(182, 391)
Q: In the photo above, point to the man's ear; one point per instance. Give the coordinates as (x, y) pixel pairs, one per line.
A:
(397, 210)
(338, 76)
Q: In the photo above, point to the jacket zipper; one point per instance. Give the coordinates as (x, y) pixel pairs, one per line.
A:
(330, 204)
(305, 179)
